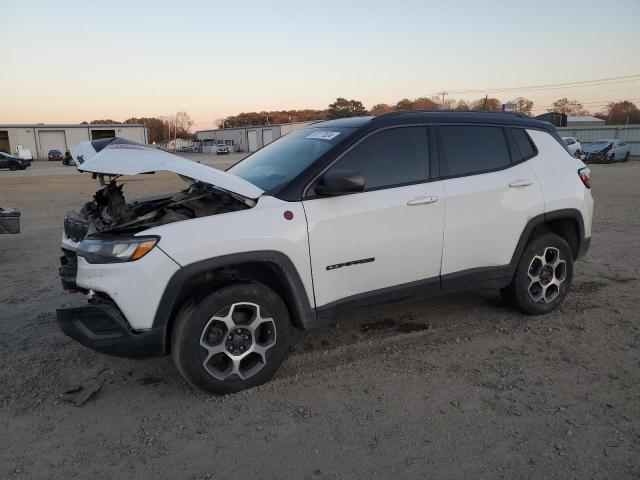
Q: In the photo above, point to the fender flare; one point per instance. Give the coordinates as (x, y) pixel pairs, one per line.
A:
(533, 223)
(303, 314)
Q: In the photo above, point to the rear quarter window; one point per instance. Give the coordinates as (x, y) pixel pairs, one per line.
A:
(525, 146)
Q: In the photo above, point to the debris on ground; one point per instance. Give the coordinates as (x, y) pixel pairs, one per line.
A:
(79, 395)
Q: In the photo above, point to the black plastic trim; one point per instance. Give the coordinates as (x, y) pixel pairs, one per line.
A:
(538, 220)
(497, 277)
(80, 323)
(584, 247)
(303, 314)
(428, 286)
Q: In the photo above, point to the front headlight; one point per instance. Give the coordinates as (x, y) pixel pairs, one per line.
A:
(116, 250)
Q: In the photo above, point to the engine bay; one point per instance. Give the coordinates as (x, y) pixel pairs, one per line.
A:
(110, 213)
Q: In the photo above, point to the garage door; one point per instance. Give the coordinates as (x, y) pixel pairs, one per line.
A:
(267, 137)
(51, 140)
(252, 137)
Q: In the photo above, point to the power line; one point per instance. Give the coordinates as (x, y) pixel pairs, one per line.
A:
(553, 86)
(595, 103)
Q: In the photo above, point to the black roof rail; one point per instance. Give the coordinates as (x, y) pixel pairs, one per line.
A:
(400, 112)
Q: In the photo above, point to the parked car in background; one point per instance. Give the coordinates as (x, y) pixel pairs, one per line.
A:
(222, 149)
(573, 145)
(55, 155)
(13, 163)
(606, 151)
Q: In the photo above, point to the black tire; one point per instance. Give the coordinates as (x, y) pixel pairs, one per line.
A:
(13, 167)
(523, 288)
(195, 323)
(626, 157)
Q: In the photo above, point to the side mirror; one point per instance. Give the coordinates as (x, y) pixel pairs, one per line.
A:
(340, 182)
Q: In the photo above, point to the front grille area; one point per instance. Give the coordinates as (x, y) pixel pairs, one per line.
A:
(75, 229)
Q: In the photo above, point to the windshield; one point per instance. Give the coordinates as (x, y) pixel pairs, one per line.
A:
(281, 161)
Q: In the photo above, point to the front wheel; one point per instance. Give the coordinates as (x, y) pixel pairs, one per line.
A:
(543, 275)
(626, 157)
(13, 167)
(232, 339)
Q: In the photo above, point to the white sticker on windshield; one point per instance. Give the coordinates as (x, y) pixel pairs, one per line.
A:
(323, 135)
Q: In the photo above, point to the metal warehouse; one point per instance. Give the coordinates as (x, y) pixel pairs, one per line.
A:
(38, 139)
(246, 139)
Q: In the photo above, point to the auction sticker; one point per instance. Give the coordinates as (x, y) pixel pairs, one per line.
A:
(323, 135)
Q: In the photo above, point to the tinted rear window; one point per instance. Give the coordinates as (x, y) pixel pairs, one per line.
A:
(473, 149)
(527, 150)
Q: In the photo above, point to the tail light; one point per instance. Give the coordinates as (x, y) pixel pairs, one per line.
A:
(585, 175)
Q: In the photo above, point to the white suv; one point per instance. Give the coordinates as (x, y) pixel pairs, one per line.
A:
(342, 214)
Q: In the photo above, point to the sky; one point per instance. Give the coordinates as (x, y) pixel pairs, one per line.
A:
(70, 61)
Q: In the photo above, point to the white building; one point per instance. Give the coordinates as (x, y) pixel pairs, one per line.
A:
(246, 139)
(176, 144)
(40, 138)
(584, 121)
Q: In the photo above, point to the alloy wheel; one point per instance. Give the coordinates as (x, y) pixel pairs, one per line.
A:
(546, 273)
(235, 341)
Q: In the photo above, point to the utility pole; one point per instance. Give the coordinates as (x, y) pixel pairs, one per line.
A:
(175, 133)
(443, 93)
(484, 107)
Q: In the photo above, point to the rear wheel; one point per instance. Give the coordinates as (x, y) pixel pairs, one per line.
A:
(543, 275)
(626, 157)
(232, 339)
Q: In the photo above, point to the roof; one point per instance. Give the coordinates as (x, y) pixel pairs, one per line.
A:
(455, 116)
(69, 125)
(440, 116)
(583, 118)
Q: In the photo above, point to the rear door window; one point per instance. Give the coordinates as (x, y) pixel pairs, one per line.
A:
(473, 149)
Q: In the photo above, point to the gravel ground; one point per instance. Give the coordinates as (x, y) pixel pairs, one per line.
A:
(454, 387)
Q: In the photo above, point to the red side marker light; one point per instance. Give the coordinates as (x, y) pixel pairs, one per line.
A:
(288, 215)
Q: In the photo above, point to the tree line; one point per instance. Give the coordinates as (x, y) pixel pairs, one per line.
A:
(614, 113)
(159, 128)
(180, 124)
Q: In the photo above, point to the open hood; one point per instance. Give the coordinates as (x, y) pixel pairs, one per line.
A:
(118, 156)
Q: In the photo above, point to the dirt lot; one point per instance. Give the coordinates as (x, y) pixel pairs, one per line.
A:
(454, 387)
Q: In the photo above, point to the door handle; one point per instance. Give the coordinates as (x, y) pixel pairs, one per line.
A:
(520, 183)
(424, 200)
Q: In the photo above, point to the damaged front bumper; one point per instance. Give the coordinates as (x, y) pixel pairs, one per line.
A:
(102, 327)
(123, 299)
